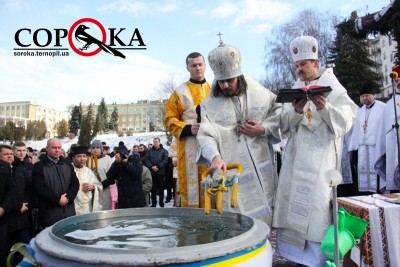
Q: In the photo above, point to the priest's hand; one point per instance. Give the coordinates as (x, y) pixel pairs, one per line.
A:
(319, 101)
(299, 104)
(86, 187)
(217, 164)
(252, 128)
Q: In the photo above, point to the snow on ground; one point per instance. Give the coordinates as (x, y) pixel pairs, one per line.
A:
(112, 140)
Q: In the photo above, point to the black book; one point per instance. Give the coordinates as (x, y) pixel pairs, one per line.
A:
(287, 95)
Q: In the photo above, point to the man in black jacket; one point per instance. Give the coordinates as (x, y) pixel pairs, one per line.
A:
(7, 197)
(156, 160)
(56, 185)
(127, 171)
(19, 222)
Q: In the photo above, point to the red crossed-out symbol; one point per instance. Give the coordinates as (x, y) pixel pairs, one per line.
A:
(72, 30)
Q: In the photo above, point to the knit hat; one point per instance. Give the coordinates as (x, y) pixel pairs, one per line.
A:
(122, 149)
(304, 47)
(76, 150)
(97, 143)
(225, 61)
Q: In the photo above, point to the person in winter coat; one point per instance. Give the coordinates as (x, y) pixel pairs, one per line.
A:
(55, 184)
(19, 223)
(8, 191)
(127, 171)
(156, 160)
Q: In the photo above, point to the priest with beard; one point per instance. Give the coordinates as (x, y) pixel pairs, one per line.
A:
(239, 122)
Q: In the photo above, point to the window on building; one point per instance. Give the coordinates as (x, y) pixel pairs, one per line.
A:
(383, 42)
(390, 41)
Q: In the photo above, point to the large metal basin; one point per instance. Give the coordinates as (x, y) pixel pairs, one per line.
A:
(232, 239)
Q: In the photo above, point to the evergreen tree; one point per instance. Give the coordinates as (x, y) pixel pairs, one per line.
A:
(85, 134)
(75, 120)
(113, 125)
(352, 63)
(41, 130)
(30, 130)
(80, 118)
(102, 115)
(19, 133)
(36, 130)
(8, 131)
(96, 126)
(86, 129)
(387, 23)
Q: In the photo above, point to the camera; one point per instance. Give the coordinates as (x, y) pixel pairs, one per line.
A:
(123, 155)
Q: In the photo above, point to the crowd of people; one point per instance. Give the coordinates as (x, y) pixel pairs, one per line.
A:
(35, 194)
(234, 119)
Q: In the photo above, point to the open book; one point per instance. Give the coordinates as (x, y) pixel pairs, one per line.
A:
(287, 95)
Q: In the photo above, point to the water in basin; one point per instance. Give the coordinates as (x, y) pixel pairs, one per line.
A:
(138, 232)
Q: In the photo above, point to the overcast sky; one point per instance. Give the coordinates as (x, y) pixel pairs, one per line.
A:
(169, 30)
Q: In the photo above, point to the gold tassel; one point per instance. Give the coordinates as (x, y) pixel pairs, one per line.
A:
(234, 194)
(219, 201)
(207, 202)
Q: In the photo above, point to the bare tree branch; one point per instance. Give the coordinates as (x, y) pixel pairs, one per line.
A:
(280, 71)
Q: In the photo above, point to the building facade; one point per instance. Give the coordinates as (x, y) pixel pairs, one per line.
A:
(382, 50)
(142, 116)
(20, 112)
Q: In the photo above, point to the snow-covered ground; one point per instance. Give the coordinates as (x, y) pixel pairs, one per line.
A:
(112, 140)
